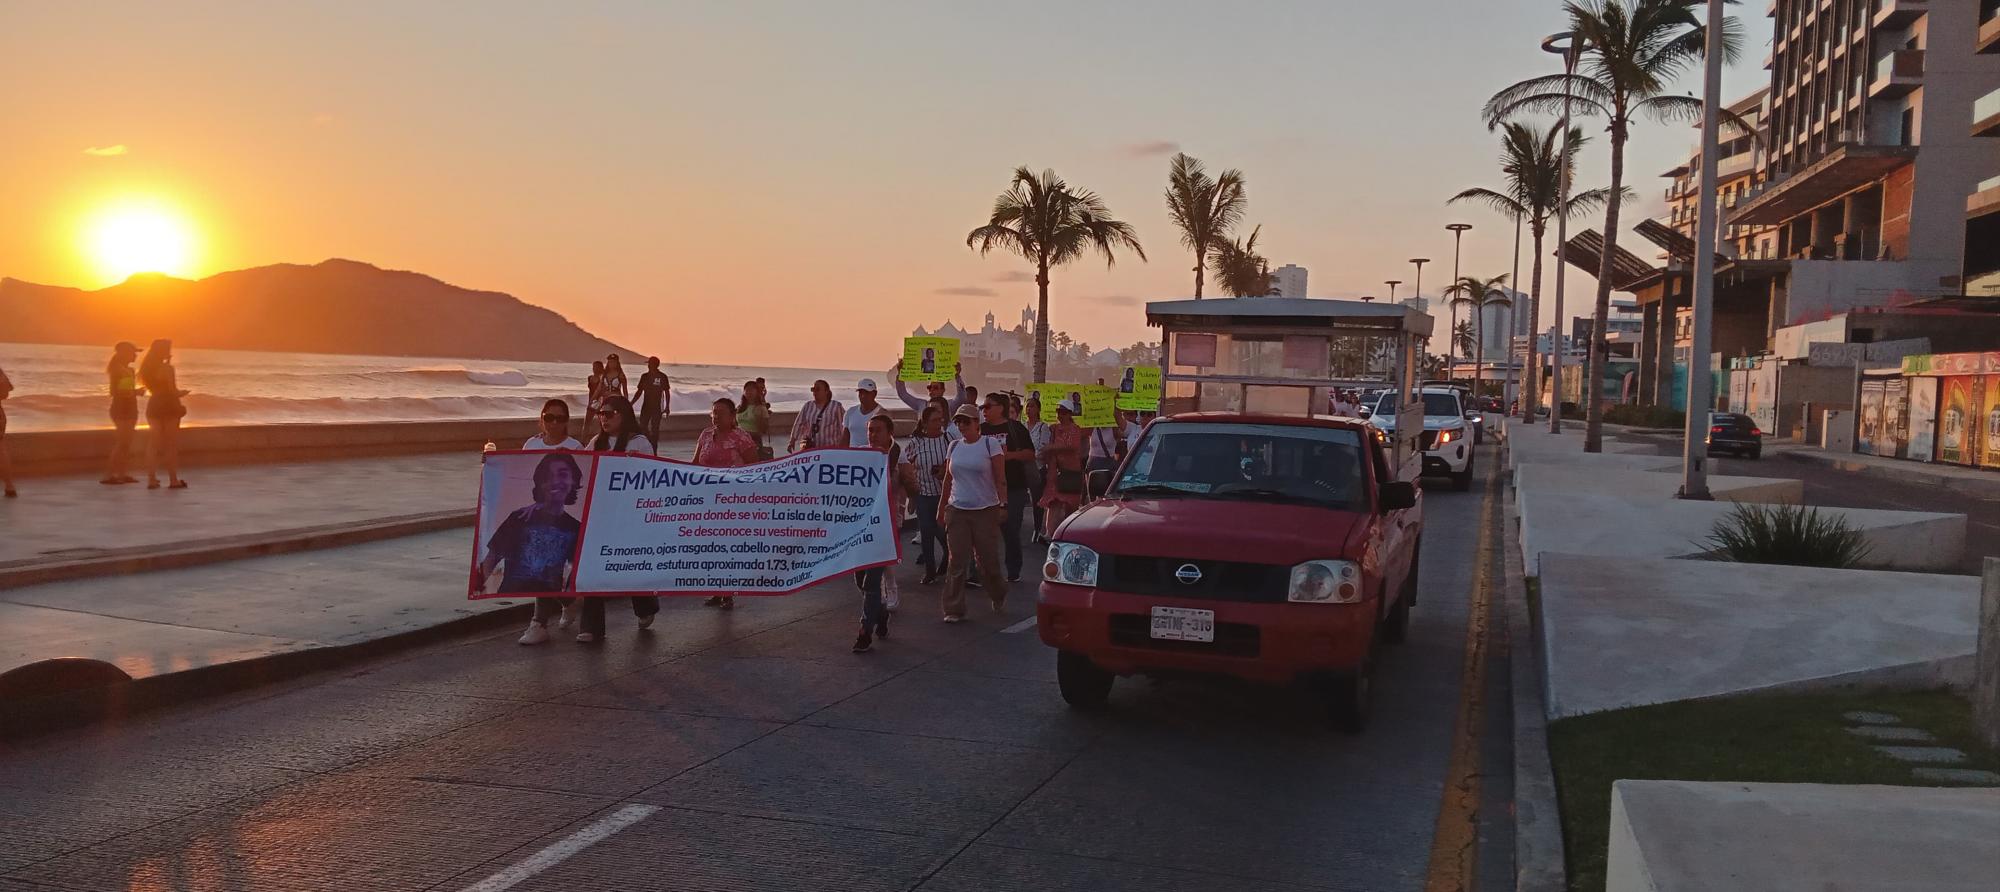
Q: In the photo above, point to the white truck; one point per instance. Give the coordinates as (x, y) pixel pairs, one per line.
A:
(1447, 439)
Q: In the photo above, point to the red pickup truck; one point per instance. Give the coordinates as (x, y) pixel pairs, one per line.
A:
(1271, 548)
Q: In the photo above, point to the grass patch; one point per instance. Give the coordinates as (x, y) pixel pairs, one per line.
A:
(1789, 738)
(1638, 415)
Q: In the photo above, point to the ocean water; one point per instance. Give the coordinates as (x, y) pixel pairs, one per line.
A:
(59, 387)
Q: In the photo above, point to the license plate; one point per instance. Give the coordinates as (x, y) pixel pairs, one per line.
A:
(1183, 624)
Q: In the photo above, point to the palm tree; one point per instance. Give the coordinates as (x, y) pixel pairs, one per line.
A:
(1476, 294)
(1043, 220)
(1240, 270)
(1631, 50)
(1529, 168)
(1462, 337)
(1203, 209)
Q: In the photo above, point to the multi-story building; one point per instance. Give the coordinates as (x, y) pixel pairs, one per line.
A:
(1982, 209)
(1871, 151)
(1288, 281)
(1739, 172)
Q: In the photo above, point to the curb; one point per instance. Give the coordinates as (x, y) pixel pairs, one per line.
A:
(209, 551)
(22, 719)
(1914, 475)
(1538, 840)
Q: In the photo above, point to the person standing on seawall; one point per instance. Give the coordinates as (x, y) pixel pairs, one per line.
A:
(125, 392)
(619, 433)
(164, 410)
(613, 383)
(821, 421)
(753, 414)
(723, 444)
(6, 463)
(593, 397)
(655, 401)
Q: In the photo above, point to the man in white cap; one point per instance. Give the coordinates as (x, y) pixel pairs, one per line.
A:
(864, 408)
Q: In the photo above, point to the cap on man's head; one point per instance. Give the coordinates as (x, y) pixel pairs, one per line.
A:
(1067, 406)
(867, 384)
(966, 411)
(125, 347)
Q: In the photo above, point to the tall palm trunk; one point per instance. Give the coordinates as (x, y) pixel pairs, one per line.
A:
(1042, 321)
(1198, 264)
(1478, 343)
(1532, 393)
(1593, 430)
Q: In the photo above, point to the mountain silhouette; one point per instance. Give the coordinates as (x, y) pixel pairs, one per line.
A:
(338, 306)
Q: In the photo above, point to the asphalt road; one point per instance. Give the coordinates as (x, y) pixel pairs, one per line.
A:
(750, 750)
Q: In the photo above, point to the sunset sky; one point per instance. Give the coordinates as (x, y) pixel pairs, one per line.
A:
(764, 182)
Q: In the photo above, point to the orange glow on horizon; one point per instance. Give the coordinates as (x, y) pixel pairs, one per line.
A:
(133, 235)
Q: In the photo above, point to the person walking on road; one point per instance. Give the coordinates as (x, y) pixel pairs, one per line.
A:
(1039, 433)
(1103, 453)
(6, 462)
(1019, 451)
(593, 397)
(555, 429)
(933, 390)
(723, 444)
(971, 510)
(164, 411)
(619, 433)
(821, 421)
(655, 399)
(125, 390)
(537, 544)
(865, 407)
(878, 584)
(925, 458)
(1062, 493)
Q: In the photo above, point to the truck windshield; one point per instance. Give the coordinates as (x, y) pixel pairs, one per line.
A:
(1434, 404)
(1257, 462)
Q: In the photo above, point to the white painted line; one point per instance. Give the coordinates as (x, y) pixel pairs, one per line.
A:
(563, 848)
(1022, 626)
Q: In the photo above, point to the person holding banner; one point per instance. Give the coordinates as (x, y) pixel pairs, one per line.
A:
(878, 584)
(555, 430)
(535, 545)
(618, 432)
(724, 445)
(821, 421)
(971, 510)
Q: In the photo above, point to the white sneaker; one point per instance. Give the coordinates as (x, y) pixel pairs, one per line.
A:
(537, 633)
(891, 601)
(568, 620)
(585, 637)
(646, 622)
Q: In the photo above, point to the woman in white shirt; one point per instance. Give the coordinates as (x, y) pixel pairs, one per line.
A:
(972, 509)
(554, 435)
(618, 432)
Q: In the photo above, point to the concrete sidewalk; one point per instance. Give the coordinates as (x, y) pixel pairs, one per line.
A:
(70, 527)
(1971, 481)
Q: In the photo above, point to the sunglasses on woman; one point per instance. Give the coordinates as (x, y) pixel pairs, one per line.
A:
(608, 413)
(554, 418)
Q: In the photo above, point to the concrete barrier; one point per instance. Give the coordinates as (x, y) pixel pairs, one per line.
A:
(85, 451)
(1649, 484)
(1684, 836)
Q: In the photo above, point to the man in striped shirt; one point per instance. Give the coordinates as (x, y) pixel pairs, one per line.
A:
(821, 422)
(927, 456)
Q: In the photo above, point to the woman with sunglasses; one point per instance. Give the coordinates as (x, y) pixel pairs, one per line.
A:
(618, 432)
(554, 435)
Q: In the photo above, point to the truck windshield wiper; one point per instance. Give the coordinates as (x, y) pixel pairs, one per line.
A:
(1151, 489)
(1265, 492)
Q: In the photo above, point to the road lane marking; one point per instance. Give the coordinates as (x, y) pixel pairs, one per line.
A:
(564, 848)
(1022, 626)
(1455, 844)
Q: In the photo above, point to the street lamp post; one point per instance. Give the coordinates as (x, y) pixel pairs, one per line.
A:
(1566, 45)
(1392, 283)
(1457, 238)
(1513, 282)
(1694, 446)
(1420, 261)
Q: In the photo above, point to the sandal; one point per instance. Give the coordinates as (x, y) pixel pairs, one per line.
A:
(178, 484)
(152, 484)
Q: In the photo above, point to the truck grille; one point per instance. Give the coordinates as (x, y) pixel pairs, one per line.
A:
(1427, 441)
(1231, 639)
(1220, 580)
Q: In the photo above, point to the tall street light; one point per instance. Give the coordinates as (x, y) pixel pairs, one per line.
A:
(1514, 283)
(1566, 45)
(1392, 283)
(1694, 446)
(1420, 261)
(1451, 334)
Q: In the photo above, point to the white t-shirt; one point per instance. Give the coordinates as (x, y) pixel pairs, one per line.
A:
(1132, 432)
(857, 424)
(536, 442)
(972, 473)
(638, 445)
(1103, 442)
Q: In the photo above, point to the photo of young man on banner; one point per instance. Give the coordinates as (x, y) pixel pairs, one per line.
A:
(1139, 389)
(930, 359)
(605, 525)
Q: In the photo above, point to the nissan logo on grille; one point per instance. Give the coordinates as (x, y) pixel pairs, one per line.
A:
(1188, 574)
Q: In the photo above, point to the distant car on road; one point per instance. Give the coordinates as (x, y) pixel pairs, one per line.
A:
(1734, 433)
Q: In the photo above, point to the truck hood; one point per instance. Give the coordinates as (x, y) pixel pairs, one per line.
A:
(1234, 530)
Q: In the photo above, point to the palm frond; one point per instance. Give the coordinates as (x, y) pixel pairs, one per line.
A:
(1505, 205)
(1544, 95)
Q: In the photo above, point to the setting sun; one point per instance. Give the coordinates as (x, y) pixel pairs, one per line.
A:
(139, 237)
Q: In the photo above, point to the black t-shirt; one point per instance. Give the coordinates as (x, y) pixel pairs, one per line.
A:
(533, 548)
(652, 388)
(1017, 440)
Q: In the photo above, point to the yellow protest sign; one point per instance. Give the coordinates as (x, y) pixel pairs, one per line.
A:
(930, 359)
(1099, 406)
(1139, 389)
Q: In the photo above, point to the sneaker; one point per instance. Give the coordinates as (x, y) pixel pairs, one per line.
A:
(1013, 577)
(882, 628)
(929, 579)
(863, 643)
(713, 602)
(585, 638)
(953, 619)
(537, 633)
(568, 619)
(972, 583)
(646, 622)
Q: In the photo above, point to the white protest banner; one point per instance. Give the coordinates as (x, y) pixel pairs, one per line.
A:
(654, 526)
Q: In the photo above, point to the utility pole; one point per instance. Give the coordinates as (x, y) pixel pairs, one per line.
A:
(1701, 385)
(1566, 45)
(1451, 335)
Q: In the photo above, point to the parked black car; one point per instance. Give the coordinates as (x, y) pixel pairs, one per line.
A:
(1733, 433)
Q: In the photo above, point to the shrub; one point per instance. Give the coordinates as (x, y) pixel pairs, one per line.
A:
(1787, 534)
(1645, 416)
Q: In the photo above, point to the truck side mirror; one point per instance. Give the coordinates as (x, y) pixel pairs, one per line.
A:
(1099, 481)
(1397, 495)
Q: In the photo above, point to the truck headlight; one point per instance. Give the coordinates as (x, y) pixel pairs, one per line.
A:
(1446, 437)
(1325, 582)
(1070, 564)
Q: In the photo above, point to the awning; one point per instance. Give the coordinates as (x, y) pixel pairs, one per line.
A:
(1585, 251)
(1841, 171)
